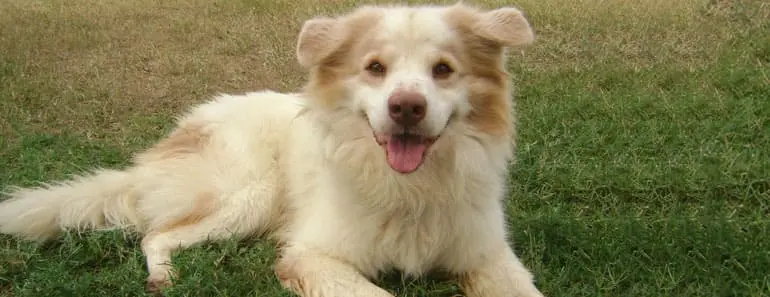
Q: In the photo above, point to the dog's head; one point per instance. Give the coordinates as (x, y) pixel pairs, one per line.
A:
(413, 73)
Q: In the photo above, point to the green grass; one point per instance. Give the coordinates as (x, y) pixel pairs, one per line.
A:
(643, 159)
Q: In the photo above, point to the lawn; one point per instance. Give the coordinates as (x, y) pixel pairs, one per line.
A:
(643, 162)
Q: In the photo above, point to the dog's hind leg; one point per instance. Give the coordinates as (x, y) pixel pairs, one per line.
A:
(159, 245)
(250, 210)
(232, 221)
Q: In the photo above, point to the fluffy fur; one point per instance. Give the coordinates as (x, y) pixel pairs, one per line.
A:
(394, 156)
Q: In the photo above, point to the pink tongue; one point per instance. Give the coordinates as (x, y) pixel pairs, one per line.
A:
(405, 153)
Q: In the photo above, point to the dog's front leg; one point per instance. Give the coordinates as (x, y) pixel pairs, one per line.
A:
(311, 274)
(502, 276)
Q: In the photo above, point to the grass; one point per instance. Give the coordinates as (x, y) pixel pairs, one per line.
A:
(643, 163)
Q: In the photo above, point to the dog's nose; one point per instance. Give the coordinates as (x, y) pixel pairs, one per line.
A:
(407, 108)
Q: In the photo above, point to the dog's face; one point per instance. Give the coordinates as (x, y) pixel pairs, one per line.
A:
(412, 72)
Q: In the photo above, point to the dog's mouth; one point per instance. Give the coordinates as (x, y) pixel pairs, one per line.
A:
(405, 151)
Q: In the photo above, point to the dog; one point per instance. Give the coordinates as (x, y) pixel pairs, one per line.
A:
(394, 155)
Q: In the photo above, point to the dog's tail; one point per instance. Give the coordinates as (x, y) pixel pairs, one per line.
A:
(99, 200)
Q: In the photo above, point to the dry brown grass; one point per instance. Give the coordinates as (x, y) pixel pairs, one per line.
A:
(117, 69)
(102, 63)
(634, 34)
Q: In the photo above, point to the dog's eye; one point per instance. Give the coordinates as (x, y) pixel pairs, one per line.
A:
(442, 70)
(376, 68)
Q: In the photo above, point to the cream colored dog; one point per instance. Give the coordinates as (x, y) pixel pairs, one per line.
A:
(394, 156)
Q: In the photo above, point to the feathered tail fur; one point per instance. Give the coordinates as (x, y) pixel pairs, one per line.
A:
(102, 199)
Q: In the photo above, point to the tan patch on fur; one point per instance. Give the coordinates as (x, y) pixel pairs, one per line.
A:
(202, 207)
(489, 89)
(492, 112)
(184, 140)
(354, 42)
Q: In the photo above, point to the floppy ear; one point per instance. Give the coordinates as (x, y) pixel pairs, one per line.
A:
(318, 38)
(506, 26)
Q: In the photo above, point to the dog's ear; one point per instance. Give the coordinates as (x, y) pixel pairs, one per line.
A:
(506, 26)
(317, 40)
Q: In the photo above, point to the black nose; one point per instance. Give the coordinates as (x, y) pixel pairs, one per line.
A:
(407, 108)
